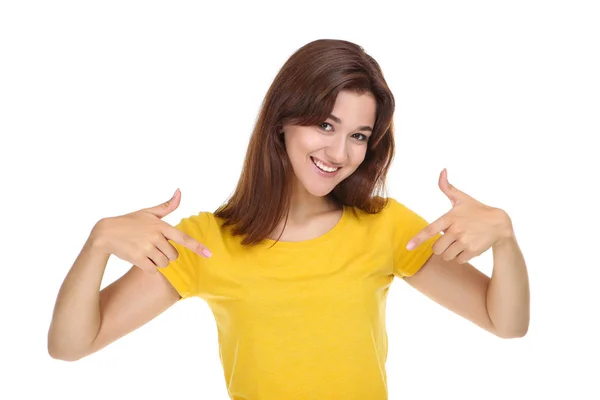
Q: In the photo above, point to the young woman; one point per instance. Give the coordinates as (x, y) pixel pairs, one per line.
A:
(297, 264)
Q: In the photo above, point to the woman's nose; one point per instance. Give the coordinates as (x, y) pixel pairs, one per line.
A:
(336, 151)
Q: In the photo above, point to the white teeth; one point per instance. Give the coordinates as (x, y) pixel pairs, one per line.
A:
(323, 167)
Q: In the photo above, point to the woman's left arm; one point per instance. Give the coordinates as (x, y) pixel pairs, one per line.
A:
(500, 304)
(508, 291)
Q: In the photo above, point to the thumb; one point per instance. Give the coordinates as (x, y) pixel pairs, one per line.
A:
(454, 195)
(164, 209)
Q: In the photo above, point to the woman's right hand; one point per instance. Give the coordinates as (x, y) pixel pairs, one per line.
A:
(141, 237)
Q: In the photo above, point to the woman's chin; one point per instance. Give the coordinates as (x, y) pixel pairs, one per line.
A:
(319, 190)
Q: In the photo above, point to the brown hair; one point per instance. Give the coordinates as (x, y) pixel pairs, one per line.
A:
(304, 93)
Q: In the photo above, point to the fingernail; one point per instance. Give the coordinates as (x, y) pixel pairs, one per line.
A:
(410, 245)
(206, 253)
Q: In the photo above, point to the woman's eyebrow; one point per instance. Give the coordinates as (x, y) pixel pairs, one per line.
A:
(360, 128)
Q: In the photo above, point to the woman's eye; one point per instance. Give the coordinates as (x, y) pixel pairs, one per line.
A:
(363, 138)
(325, 123)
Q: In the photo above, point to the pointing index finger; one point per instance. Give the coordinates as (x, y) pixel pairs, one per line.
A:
(186, 241)
(428, 232)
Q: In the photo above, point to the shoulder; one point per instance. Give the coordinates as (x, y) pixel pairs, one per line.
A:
(386, 207)
(393, 214)
(205, 226)
(198, 225)
(383, 218)
(393, 205)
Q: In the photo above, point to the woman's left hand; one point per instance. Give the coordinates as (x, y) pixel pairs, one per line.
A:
(470, 227)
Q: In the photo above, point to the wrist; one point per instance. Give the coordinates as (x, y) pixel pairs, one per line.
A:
(96, 241)
(506, 233)
(507, 239)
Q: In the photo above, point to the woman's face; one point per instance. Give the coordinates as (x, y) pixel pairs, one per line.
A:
(324, 155)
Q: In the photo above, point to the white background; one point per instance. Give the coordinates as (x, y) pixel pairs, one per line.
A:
(108, 107)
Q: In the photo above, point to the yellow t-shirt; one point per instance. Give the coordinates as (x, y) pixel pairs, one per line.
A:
(302, 320)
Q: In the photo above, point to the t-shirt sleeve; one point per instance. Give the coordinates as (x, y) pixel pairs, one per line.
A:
(184, 272)
(406, 224)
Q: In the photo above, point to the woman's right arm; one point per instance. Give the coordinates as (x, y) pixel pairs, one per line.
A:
(86, 319)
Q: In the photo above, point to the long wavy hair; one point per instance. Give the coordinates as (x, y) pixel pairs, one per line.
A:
(304, 93)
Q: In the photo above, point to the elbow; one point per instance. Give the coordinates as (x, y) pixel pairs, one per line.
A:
(60, 352)
(514, 333)
(62, 355)
(510, 327)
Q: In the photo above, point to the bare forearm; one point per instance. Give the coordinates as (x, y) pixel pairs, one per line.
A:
(76, 318)
(508, 290)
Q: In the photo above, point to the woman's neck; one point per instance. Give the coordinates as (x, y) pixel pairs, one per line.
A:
(304, 205)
